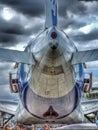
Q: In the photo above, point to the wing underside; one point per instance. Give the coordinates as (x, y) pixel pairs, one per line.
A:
(16, 56)
(8, 106)
(84, 56)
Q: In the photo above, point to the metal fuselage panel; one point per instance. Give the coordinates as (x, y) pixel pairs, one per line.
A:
(50, 77)
(53, 81)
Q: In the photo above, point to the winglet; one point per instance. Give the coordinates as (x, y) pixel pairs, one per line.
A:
(51, 13)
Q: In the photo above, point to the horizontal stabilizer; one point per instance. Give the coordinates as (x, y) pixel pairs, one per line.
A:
(16, 56)
(84, 56)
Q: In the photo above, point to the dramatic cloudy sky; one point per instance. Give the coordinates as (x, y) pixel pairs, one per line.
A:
(21, 20)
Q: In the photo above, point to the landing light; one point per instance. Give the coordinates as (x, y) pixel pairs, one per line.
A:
(53, 35)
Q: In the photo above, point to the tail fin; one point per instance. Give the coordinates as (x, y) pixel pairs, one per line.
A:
(51, 13)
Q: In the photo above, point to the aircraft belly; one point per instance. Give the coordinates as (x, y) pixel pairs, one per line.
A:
(52, 78)
(24, 117)
(38, 105)
(53, 86)
(76, 116)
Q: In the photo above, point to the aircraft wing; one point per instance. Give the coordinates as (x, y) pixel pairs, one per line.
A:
(89, 106)
(8, 106)
(84, 56)
(82, 126)
(16, 56)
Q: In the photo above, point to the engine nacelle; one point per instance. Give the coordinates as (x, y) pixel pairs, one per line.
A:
(87, 82)
(13, 82)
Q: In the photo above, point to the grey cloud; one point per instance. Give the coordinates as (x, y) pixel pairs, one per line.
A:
(9, 32)
(36, 8)
(12, 32)
(85, 12)
(73, 6)
(29, 7)
(67, 12)
(73, 23)
(86, 37)
(92, 7)
(8, 40)
(14, 27)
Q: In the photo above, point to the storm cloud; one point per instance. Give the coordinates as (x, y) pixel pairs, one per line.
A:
(29, 17)
(28, 7)
(86, 37)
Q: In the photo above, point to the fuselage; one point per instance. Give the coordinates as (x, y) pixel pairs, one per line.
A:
(50, 90)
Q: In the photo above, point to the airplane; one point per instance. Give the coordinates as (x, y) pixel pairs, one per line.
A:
(50, 77)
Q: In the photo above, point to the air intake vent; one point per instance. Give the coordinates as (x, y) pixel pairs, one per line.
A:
(50, 113)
